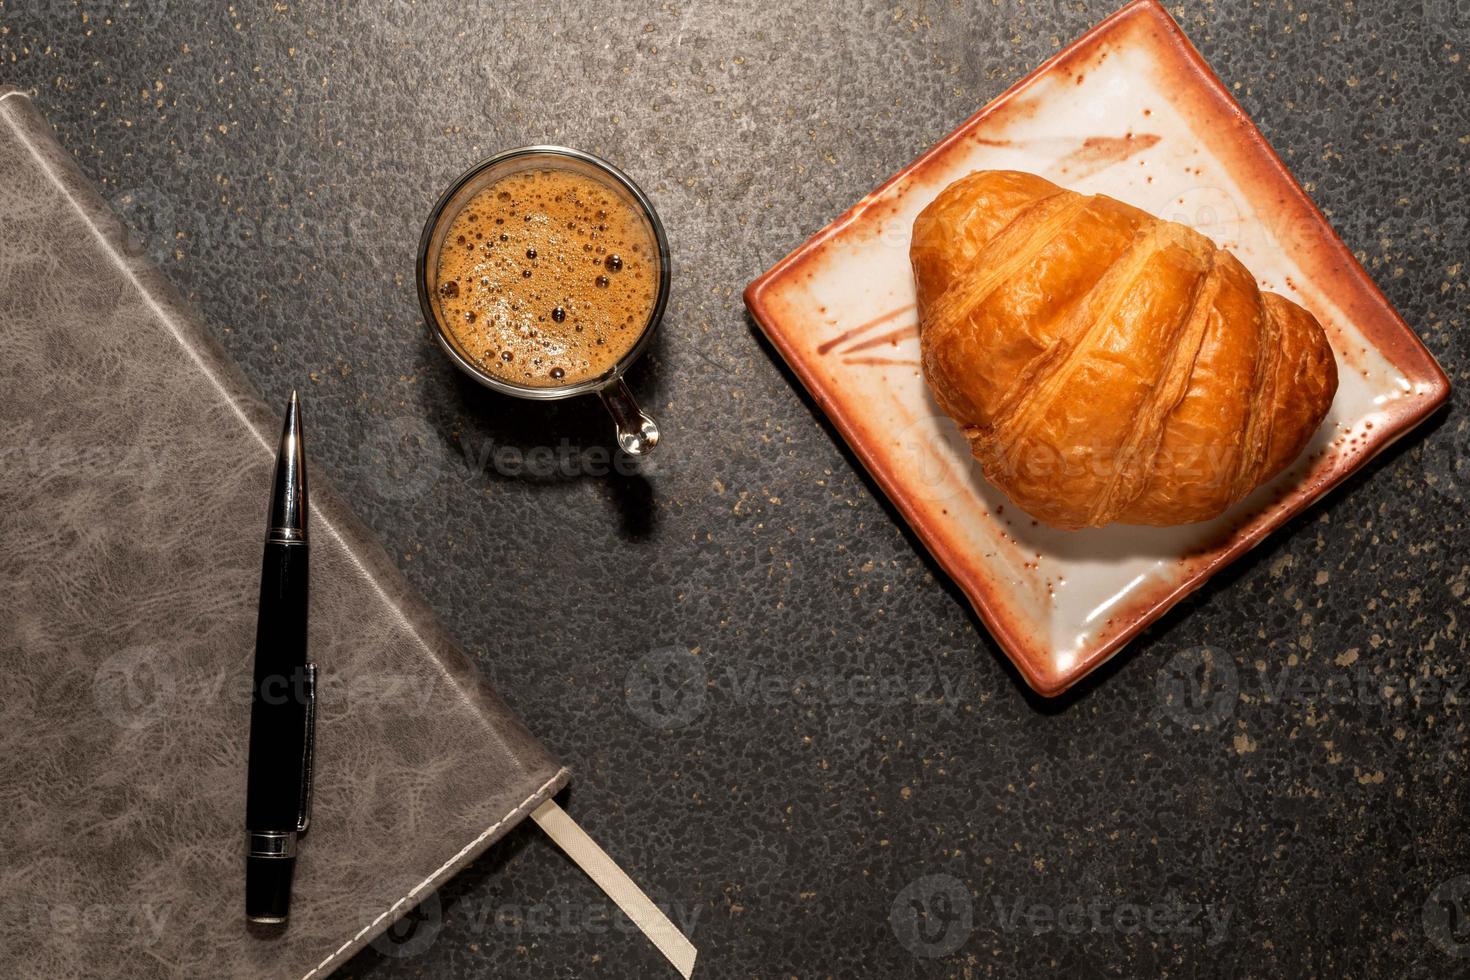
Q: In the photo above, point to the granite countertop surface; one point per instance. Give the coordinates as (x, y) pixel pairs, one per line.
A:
(696, 639)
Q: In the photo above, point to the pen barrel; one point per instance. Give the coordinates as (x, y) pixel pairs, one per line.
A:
(281, 695)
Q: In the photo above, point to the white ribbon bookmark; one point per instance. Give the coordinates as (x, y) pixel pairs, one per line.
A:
(603, 870)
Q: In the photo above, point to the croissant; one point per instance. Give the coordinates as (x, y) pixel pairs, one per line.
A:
(1104, 364)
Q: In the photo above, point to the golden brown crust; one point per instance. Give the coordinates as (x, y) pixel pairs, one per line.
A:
(1106, 365)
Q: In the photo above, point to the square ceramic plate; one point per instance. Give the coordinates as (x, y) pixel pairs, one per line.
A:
(1132, 111)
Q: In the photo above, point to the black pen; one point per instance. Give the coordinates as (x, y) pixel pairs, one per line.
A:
(283, 697)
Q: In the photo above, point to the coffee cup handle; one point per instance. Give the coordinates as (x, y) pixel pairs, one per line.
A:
(637, 432)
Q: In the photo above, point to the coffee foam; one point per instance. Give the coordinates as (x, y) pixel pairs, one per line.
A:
(547, 278)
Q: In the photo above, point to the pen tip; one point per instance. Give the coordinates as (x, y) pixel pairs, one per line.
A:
(288, 494)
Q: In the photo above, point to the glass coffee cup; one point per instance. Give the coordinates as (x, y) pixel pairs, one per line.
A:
(637, 434)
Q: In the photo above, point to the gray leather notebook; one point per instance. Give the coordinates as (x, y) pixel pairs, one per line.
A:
(132, 500)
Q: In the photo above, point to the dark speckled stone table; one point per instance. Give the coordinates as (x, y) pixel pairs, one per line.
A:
(702, 641)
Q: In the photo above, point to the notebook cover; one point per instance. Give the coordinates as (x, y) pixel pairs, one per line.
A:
(132, 506)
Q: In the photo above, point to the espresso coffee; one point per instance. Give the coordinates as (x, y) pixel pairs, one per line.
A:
(547, 278)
